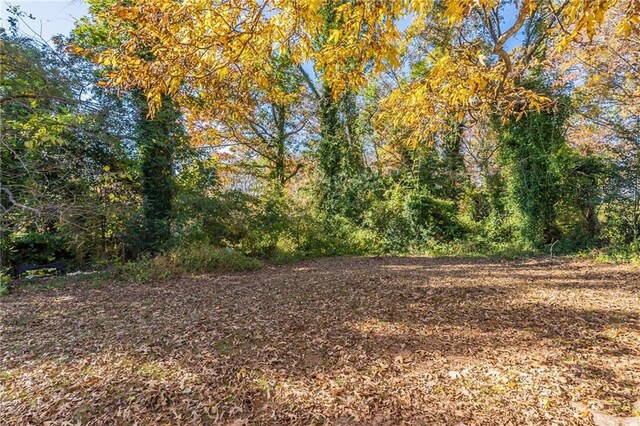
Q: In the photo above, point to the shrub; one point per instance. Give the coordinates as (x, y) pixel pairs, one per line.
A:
(34, 247)
(271, 222)
(482, 248)
(147, 269)
(202, 257)
(192, 258)
(334, 235)
(4, 284)
(624, 253)
(431, 218)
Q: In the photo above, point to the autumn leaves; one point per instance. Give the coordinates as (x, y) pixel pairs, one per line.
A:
(212, 56)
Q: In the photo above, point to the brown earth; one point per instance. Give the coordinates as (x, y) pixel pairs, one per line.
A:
(332, 341)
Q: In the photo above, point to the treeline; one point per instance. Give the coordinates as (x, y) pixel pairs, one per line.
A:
(90, 175)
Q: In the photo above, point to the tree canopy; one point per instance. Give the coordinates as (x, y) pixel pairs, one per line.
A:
(323, 127)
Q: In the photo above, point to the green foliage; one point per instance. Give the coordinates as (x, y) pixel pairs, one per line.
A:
(203, 211)
(338, 153)
(581, 194)
(269, 225)
(158, 138)
(187, 259)
(431, 218)
(284, 230)
(530, 149)
(67, 180)
(89, 177)
(629, 253)
(37, 248)
(480, 248)
(202, 258)
(385, 218)
(620, 213)
(333, 235)
(4, 283)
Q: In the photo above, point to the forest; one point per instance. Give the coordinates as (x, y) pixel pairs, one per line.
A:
(463, 133)
(178, 153)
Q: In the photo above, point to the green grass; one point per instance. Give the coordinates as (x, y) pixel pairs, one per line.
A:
(482, 249)
(205, 258)
(191, 259)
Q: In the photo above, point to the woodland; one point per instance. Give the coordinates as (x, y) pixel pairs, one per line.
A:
(322, 212)
(240, 131)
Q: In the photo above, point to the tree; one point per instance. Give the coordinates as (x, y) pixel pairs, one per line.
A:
(264, 141)
(157, 140)
(66, 178)
(217, 51)
(529, 151)
(158, 132)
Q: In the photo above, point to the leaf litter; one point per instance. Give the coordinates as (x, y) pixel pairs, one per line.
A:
(381, 341)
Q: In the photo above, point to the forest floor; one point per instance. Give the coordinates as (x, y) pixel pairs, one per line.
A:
(332, 341)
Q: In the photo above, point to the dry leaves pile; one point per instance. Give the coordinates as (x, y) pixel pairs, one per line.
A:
(335, 341)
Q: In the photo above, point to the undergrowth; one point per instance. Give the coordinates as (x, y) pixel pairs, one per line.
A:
(197, 258)
(190, 259)
(483, 249)
(202, 258)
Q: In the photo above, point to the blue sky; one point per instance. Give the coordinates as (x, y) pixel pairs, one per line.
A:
(52, 16)
(58, 17)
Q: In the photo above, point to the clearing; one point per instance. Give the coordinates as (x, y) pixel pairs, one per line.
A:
(335, 341)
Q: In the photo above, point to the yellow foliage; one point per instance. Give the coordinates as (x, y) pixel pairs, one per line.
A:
(214, 55)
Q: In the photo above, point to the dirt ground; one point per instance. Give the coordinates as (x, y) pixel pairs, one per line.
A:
(385, 341)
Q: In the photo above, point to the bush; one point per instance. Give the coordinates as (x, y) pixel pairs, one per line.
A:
(406, 220)
(334, 235)
(193, 258)
(482, 248)
(386, 219)
(431, 218)
(4, 284)
(271, 222)
(202, 257)
(34, 247)
(147, 269)
(627, 253)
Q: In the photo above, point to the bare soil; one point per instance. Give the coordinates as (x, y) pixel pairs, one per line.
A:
(333, 341)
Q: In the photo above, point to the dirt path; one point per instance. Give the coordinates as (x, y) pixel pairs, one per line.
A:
(335, 341)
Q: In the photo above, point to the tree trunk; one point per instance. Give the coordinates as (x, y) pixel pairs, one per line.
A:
(157, 139)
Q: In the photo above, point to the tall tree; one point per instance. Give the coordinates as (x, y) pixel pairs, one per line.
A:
(264, 140)
(157, 141)
(529, 151)
(215, 48)
(66, 174)
(159, 132)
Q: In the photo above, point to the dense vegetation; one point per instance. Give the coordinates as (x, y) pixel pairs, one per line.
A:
(452, 136)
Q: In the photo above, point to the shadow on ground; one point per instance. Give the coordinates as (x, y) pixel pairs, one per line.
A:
(339, 341)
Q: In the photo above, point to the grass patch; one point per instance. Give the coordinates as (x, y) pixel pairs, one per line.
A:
(191, 259)
(482, 249)
(205, 258)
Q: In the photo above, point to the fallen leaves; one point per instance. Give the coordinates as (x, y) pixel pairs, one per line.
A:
(351, 340)
(603, 419)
